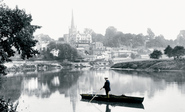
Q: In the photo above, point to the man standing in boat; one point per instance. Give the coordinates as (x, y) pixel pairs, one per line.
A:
(106, 86)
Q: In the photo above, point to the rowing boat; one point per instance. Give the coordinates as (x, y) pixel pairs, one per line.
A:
(113, 98)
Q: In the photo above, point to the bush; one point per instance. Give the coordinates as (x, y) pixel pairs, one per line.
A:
(156, 54)
(7, 106)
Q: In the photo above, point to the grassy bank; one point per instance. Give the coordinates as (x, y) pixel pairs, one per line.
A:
(152, 65)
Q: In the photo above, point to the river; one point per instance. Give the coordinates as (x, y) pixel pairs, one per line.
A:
(59, 91)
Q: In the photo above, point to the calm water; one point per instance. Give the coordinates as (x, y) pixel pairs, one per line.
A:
(59, 91)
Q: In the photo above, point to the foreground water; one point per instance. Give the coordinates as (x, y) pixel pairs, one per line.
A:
(59, 91)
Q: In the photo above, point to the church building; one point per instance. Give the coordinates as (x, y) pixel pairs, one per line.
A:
(77, 39)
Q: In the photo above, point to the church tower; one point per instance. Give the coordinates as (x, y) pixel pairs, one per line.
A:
(77, 39)
(72, 29)
(72, 32)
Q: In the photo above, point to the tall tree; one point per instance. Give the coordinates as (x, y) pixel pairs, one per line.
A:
(88, 31)
(65, 52)
(156, 54)
(168, 51)
(180, 41)
(109, 35)
(150, 33)
(138, 40)
(98, 38)
(16, 34)
(43, 37)
(159, 41)
(178, 51)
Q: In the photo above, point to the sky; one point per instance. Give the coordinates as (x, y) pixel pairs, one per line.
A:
(163, 17)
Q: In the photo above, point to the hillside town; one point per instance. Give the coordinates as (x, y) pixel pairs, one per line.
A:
(89, 50)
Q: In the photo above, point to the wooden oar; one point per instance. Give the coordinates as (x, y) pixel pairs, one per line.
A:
(95, 96)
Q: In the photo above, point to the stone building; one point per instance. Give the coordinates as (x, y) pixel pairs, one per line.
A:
(97, 48)
(77, 39)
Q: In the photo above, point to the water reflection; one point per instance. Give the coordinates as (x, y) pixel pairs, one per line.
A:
(160, 80)
(11, 87)
(44, 85)
(107, 108)
(115, 104)
(70, 83)
(55, 81)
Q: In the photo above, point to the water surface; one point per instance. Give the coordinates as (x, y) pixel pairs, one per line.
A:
(59, 91)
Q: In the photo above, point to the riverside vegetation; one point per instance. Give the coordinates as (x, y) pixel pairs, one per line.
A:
(152, 65)
(178, 63)
(16, 36)
(7, 106)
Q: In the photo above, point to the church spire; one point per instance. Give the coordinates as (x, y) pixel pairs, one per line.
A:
(72, 22)
(73, 29)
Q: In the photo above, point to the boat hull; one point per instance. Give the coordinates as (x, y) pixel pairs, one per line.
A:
(113, 98)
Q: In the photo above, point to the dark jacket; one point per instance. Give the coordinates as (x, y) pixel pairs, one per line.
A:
(107, 85)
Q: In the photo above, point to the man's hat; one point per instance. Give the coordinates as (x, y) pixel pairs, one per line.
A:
(106, 78)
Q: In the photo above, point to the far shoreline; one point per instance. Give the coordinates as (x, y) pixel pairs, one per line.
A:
(151, 65)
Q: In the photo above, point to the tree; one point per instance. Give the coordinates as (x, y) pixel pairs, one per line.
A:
(43, 37)
(159, 41)
(65, 52)
(178, 51)
(61, 39)
(181, 38)
(156, 54)
(139, 40)
(98, 38)
(116, 40)
(168, 51)
(88, 31)
(16, 35)
(133, 56)
(109, 35)
(150, 33)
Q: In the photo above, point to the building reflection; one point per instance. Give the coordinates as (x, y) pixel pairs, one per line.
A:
(33, 87)
(55, 81)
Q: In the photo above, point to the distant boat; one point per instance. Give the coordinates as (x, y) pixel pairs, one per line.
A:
(113, 98)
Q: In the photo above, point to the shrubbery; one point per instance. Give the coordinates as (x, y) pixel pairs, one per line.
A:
(7, 106)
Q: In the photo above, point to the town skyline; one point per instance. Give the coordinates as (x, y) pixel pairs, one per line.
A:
(163, 17)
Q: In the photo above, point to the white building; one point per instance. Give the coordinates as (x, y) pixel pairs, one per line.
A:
(77, 39)
(55, 52)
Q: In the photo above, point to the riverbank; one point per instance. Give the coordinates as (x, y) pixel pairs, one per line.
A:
(16, 66)
(152, 65)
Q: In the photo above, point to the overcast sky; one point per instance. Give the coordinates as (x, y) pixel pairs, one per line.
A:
(166, 17)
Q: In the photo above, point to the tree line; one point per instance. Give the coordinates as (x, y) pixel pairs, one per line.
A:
(177, 52)
(115, 38)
